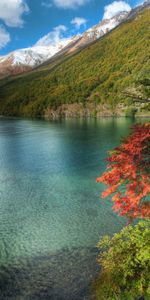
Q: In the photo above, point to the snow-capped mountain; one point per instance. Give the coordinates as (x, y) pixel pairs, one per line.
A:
(35, 55)
(99, 30)
(26, 59)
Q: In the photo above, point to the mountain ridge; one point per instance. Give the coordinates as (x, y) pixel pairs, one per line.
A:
(24, 60)
(89, 82)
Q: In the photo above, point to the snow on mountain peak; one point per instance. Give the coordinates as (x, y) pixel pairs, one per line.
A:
(47, 47)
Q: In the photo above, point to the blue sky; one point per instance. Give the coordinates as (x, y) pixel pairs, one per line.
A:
(24, 22)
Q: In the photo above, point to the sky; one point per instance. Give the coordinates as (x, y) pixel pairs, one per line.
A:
(25, 23)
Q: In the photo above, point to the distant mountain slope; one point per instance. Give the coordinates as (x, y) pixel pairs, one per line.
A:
(89, 82)
(23, 60)
(99, 30)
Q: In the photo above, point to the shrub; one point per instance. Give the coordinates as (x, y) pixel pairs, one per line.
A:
(125, 262)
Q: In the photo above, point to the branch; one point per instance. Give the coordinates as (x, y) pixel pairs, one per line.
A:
(136, 98)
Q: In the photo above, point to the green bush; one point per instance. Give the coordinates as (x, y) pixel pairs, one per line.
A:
(125, 263)
(130, 111)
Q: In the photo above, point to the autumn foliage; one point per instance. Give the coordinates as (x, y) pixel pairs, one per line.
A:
(128, 174)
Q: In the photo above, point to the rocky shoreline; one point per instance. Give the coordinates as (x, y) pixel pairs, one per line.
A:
(79, 110)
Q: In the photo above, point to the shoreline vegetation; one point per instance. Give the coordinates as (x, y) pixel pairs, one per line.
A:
(124, 260)
(125, 257)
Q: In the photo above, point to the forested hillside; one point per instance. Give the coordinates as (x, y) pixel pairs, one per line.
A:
(96, 77)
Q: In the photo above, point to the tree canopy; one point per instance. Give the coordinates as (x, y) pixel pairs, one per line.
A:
(128, 174)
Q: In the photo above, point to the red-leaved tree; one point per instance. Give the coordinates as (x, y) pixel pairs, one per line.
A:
(128, 174)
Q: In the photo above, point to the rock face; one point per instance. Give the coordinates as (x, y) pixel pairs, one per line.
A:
(78, 110)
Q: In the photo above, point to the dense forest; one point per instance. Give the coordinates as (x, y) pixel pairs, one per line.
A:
(103, 74)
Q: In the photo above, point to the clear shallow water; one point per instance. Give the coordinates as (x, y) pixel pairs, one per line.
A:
(51, 216)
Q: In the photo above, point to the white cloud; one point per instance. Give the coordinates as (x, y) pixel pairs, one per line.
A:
(4, 37)
(69, 3)
(46, 4)
(78, 22)
(11, 12)
(115, 7)
(53, 37)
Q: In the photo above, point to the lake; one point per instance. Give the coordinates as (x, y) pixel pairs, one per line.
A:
(51, 214)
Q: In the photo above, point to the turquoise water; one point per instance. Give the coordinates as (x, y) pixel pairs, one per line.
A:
(51, 215)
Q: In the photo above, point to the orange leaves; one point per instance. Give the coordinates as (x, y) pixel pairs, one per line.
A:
(109, 191)
(128, 174)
